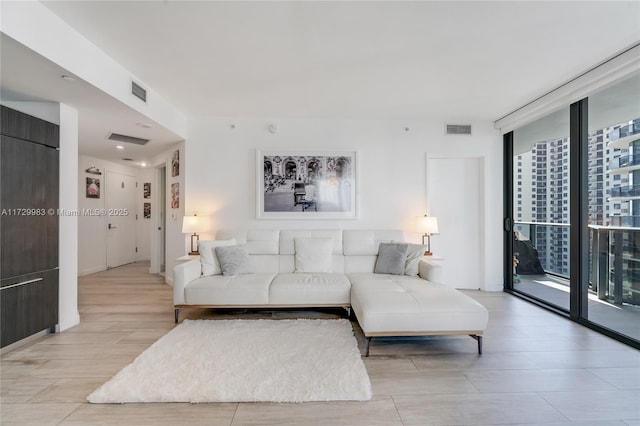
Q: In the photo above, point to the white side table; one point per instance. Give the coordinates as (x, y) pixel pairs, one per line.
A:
(432, 257)
(186, 258)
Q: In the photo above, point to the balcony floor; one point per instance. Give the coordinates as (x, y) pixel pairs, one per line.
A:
(624, 319)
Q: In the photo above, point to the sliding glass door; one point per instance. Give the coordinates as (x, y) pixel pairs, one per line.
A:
(572, 210)
(541, 227)
(614, 207)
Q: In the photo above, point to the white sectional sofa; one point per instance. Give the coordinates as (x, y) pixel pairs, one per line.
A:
(414, 303)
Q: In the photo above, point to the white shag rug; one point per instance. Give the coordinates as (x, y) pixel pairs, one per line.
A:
(245, 361)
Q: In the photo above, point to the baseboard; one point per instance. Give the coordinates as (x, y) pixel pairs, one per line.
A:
(26, 341)
(93, 270)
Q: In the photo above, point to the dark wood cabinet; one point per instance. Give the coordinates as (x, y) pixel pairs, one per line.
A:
(23, 126)
(29, 201)
(29, 305)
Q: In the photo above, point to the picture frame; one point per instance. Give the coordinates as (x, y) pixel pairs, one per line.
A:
(147, 210)
(319, 184)
(175, 195)
(147, 190)
(175, 163)
(93, 187)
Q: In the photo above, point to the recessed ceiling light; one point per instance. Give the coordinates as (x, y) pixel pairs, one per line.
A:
(67, 78)
(119, 147)
(143, 164)
(145, 125)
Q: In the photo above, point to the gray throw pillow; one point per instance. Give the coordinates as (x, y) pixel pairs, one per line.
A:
(415, 252)
(234, 260)
(391, 258)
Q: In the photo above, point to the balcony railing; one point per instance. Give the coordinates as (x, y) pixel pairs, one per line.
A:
(626, 191)
(614, 262)
(624, 161)
(623, 132)
(625, 221)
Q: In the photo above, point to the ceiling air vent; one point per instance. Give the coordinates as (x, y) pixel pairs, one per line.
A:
(458, 129)
(138, 91)
(129, 139)
(127, 159)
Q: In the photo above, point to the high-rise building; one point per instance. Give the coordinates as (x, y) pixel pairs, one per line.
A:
(541, 185)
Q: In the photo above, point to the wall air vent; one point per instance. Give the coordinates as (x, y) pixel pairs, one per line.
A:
(458, 129)
(129, 139)
(138, 91)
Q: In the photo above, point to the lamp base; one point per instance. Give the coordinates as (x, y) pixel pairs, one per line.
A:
(194, 245)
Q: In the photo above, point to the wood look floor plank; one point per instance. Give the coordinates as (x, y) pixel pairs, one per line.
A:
(537, 369)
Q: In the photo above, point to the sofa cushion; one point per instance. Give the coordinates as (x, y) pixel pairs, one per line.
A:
(313, 255)
(399, 303)
(242, 290)
(391, 258)
(254, 241)
(365, 243)
(310, 289)
(208, 258)
(288, 237)
(234, 260)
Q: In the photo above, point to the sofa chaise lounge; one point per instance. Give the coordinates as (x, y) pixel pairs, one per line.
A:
(329, 268)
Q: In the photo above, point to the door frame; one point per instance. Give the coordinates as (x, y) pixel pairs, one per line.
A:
(158, 253)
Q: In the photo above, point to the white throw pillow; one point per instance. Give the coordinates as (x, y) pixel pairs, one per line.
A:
(208, 258)
(313, 255)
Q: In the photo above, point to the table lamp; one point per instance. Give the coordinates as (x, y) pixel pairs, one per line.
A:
(427, 226)
(192, 225)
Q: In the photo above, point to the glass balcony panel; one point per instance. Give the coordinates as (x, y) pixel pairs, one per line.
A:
(614, 281)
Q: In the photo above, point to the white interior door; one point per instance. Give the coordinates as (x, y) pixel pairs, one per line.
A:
(162, 210)
(455, 195)
(121, 219)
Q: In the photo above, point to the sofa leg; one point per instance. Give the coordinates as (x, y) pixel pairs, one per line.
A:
(348, 309)
(177, 314)
(479, 340)
(366, 352)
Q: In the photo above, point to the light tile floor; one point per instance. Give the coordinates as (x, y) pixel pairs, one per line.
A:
(624, 318)
(537, 369)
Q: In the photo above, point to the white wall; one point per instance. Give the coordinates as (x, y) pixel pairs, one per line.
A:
(68, 315)
(143, 228)
(92, 256)
(221, 173)
(175, 245)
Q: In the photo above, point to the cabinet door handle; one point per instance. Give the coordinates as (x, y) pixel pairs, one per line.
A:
(22, 283)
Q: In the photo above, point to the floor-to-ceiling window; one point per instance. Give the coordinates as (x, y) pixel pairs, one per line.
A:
(572, 215)
(614, 207)
(541, 228)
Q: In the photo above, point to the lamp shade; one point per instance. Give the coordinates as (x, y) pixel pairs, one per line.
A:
(427, 225)
(193, 224)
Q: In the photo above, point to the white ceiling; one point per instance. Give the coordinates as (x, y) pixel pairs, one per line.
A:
(27, 76)
(453, 61)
